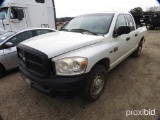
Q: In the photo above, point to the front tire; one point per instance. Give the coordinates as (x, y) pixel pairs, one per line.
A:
(96, 83)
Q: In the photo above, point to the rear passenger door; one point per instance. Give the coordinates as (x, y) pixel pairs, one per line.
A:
(133, 34)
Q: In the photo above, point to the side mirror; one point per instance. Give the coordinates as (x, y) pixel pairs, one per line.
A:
(123, 30)
(9, 44)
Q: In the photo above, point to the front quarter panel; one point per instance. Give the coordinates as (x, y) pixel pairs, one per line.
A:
(93, 53)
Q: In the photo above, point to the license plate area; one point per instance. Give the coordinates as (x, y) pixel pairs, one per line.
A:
(40, 87)
(27, 80)
(35, 85)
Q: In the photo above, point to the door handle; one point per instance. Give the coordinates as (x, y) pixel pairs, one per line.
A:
(128, 39)
(136, 35)
(115, 49)
(111, 52)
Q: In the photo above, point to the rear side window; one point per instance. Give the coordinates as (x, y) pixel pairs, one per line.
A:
(40, 32)
(130, 22)
(40, 1)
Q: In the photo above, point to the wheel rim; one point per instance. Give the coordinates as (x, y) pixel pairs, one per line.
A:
(97, 84)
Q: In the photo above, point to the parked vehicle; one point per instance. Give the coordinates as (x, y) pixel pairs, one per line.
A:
(81, 54)
(155, 21)
(21, 14)
(140, 20)
(152, 19)
(8, 43)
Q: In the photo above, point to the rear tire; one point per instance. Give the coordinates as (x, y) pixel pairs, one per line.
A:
(138, 51)
(95, 84)
(2, 71)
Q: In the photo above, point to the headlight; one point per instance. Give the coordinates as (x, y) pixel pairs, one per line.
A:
(71, 66)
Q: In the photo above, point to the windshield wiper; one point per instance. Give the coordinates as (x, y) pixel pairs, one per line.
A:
(83, 30)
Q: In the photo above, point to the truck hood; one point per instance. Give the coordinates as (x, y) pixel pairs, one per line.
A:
(57, 43)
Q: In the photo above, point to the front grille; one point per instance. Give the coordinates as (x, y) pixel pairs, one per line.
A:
(33, 60)
(34, 67)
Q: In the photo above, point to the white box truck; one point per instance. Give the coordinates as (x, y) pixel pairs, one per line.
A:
(21, 14)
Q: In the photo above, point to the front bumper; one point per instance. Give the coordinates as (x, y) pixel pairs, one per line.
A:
(55, 83)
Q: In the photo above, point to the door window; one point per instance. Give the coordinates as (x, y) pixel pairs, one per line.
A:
(130, 22)
(21, 37)
(121, 21)
(40, 1)
(14, 13)
(3, 13)
(40, 32)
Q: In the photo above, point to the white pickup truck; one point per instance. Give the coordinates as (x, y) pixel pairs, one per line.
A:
(81, 54)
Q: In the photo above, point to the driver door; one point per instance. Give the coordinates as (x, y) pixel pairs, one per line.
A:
(14, 22)
(119, 43)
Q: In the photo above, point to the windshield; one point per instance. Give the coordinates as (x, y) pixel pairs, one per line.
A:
(95, 23)
(5, 36)
(3, 13)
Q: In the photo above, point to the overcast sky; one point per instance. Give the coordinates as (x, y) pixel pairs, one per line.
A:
(67, 8)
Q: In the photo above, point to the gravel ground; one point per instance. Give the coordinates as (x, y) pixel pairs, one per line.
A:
(132, 85)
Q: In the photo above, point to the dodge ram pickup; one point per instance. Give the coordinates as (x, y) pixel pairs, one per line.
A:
(81, 54)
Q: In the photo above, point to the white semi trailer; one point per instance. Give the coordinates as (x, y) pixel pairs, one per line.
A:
(21, 14)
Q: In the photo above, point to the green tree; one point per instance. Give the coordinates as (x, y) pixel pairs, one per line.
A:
(136, 11)
(153, 9)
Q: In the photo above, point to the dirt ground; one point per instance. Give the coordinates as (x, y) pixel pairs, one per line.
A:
(132, 85)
